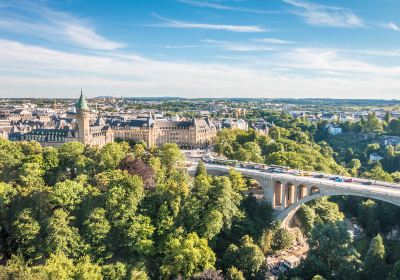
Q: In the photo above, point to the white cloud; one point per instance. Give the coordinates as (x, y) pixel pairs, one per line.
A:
(181, 46)
(237, 47)
(40, 21)
(392, 26)
(38, 72)
(190, 25)
(273, 41)
(321, 15)
(218, 6)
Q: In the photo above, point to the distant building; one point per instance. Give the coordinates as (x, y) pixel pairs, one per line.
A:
(193, 133)
(334, 130)
(291, 261)
(98, 134)
(234, 123)
(391, 140)
(375, 157)
(262, 126)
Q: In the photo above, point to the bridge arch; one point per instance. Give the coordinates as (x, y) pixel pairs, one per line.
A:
(287, 192)
(287, 214)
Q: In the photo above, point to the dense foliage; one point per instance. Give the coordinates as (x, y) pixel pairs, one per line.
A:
(122, 212)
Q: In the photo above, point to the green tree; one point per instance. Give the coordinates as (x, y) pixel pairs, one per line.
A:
(58, 266)
(186, 255)
(67, 195)
(62, 238)
(395, 273)
(86, 270)
(201, 169)
(331, 254)
(115, 271)
(234, 274)
(375, 266)
(96, 229)
(111, 155)
(248, 257)
(170, 155)
(24, 235)
(367, 213)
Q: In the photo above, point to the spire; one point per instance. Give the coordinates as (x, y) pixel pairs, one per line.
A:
(81, 104)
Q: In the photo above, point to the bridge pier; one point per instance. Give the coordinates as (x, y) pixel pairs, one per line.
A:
(286, 192)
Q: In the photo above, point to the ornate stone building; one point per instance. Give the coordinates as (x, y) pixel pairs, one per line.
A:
(97, 134)
(195, 133)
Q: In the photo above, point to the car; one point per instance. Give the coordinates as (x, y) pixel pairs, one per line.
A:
(338, 179)
(319, 176)
(368, 183)
(349, 180)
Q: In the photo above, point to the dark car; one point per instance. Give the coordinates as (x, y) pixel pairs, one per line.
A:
(319, 176)
(368, 183)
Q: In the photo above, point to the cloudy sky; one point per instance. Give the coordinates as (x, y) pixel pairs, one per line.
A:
(196, 48)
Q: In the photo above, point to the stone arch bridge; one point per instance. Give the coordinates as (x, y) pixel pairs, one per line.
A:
(287, 192)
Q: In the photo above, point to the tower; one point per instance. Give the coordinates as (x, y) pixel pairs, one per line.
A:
(83, 120)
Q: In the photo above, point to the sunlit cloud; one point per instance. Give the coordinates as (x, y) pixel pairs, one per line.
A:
(43, 22)
(273, 41)
(321, 15)
(171, 23)
(219, 6)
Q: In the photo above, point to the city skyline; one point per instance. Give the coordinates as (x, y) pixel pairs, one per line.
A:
(191, 48)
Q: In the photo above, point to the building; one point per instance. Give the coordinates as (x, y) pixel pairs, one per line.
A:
(375, 157)
(194, 133)
(291, 261)
(235, 123)
(334, 130)
(97, 134)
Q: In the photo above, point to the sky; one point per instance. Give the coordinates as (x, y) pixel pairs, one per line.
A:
(196, 48)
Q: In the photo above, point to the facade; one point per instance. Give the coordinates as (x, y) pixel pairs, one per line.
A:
(98, 134)
(334, 130)
(193, 133)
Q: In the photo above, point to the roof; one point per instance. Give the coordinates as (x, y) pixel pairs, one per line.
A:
(81, 103)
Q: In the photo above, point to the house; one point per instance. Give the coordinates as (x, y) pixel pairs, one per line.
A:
(375, 157)
(291, 261)
(334, 130)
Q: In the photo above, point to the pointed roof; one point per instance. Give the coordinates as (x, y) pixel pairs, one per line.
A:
(81, 103)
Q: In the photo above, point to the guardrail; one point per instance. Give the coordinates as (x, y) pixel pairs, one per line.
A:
(356, 185)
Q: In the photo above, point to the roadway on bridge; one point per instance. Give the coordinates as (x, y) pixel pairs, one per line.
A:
(382, 188)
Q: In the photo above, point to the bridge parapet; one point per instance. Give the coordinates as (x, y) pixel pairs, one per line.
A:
(287, 192)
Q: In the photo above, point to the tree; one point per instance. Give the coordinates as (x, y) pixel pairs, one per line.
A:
(137, 234)
(136, 166)
(58, 266)
(247, 257)
(25, 235)
(115, 271)
(375, 266)
(201, 169)
(62, 238)
(86, 270)
(234, 274)
(170, 155)
(331, 254)
(96, 229)
(394, 126)
(67, 195)
(71, 158)
(186, 255)
(111, 155)
(367, 212)
(395, 274)
(377, 173)
(281, 239)
(10, 157)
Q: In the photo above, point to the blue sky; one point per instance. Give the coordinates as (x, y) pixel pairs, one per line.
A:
(196, 48)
